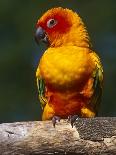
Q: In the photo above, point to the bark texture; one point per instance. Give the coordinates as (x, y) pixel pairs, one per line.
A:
(89, 136)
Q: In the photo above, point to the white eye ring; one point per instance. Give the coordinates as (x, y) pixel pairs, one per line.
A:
(51, 23)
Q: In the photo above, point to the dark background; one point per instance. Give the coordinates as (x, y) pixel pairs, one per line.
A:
(19, 54)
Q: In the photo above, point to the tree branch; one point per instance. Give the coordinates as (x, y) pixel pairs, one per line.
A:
(89, 136)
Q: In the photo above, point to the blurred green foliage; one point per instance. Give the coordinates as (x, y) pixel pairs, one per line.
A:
(19, 54)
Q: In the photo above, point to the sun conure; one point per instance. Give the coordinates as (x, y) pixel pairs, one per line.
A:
(69, 74)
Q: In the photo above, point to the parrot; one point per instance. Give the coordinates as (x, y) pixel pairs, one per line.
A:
(70, 73)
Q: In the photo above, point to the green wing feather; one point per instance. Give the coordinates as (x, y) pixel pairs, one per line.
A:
(41, 91)
(97, 84)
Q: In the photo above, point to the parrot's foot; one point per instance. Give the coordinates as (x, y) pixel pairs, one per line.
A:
(72, 119)
(55, 119)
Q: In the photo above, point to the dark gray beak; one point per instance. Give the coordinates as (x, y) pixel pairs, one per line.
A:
(40, 35)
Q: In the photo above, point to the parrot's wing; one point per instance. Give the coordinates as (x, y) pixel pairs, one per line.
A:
(41, 91)
(97, 84)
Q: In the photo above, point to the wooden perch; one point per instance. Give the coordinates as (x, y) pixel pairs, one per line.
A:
(89, 136)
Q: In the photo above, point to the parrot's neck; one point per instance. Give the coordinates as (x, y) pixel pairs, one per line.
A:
(75, 37)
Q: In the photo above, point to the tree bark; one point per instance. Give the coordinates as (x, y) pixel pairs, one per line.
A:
(89, 136)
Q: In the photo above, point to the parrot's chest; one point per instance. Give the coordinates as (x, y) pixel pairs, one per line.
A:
(65, 67)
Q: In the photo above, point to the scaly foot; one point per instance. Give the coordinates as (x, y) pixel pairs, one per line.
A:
(72, 119)
(55, 119)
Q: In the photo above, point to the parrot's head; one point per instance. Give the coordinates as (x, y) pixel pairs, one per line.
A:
(59, 26)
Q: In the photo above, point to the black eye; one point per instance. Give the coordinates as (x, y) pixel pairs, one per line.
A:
(51, 23)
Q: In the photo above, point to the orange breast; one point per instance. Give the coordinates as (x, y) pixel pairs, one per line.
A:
(66, 67)
(67, 73)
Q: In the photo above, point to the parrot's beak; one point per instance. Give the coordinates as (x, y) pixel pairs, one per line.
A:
(40, 35)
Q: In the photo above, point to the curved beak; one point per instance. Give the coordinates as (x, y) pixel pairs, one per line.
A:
(40, 35)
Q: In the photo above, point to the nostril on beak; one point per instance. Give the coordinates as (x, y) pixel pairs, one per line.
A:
(40, 35)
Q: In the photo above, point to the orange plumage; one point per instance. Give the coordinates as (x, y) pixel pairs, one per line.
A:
(70, 74)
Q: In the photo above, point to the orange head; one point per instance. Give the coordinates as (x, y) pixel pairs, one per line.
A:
(60, 27)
